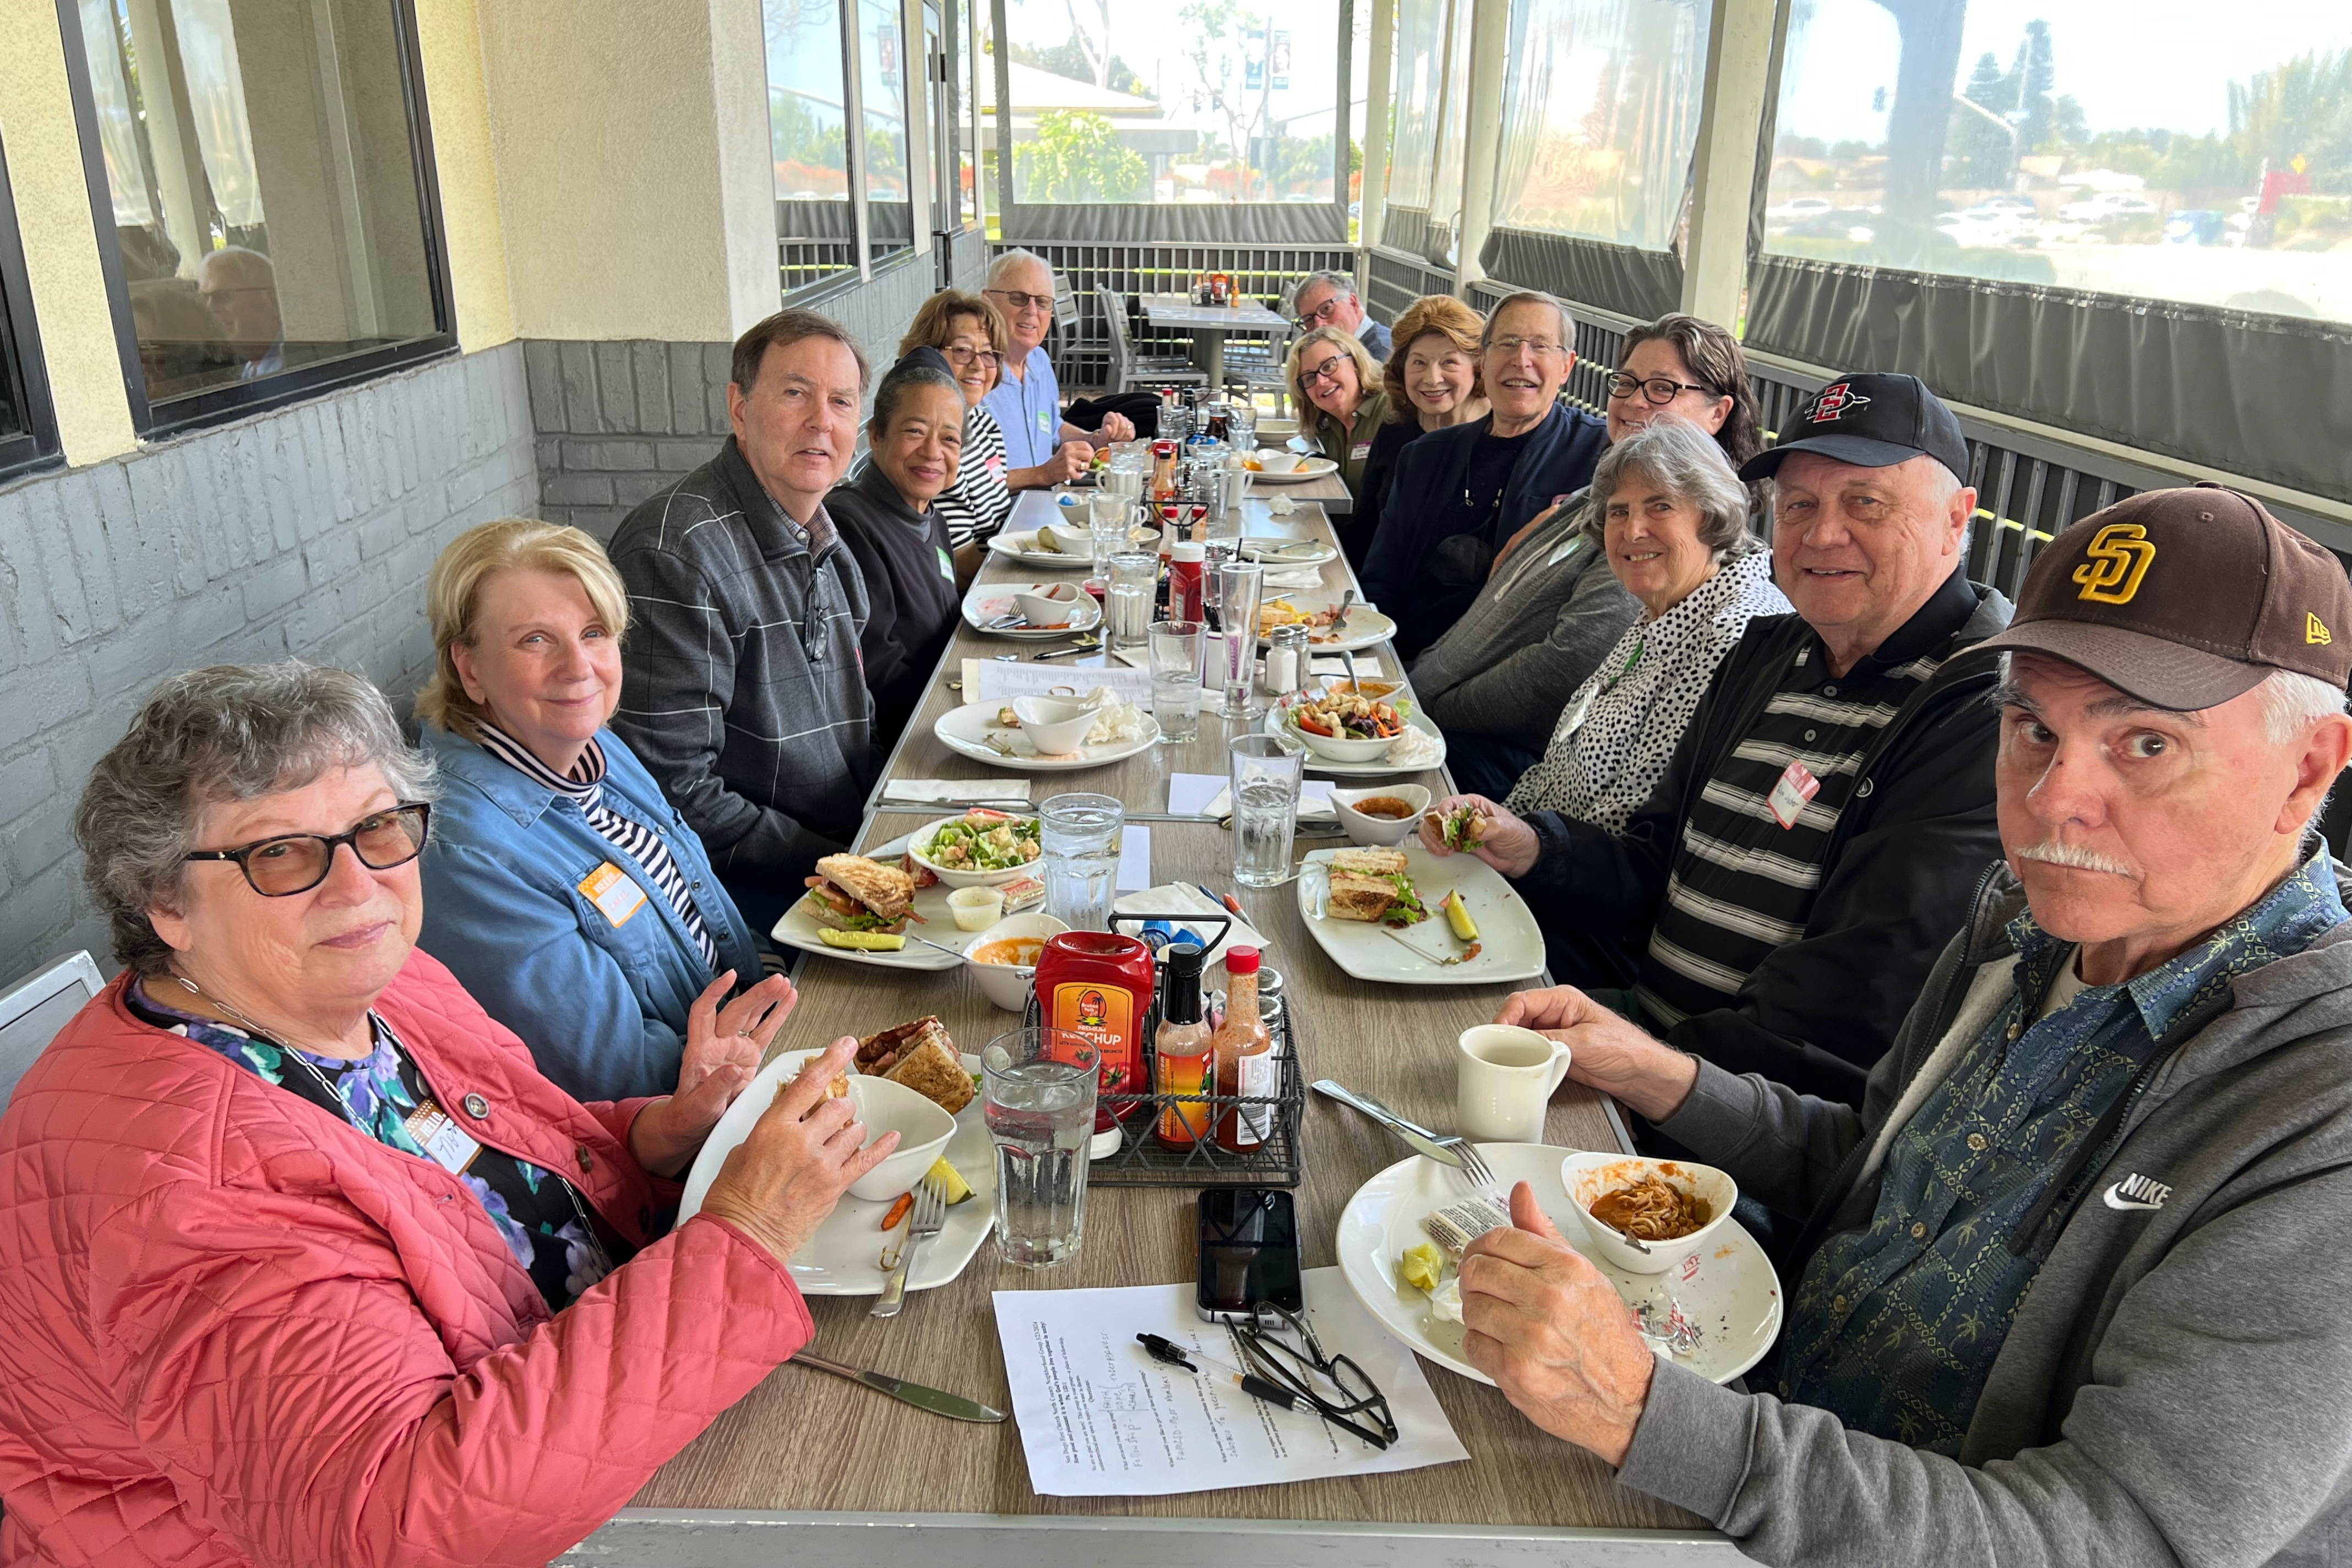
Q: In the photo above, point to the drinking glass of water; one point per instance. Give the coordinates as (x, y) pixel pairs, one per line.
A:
(1080, 836)
(1134, 575)
(1176, 680)
(1267, 776)
(1038, 1092)
(1109, 518)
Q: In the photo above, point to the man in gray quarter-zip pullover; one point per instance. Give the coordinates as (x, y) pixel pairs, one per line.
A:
(2071, 1287)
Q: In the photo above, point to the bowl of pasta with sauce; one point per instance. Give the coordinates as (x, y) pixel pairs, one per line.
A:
(1646, 1216)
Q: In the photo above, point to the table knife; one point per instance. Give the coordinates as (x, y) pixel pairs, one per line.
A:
(954, 1406)
(1417, 1139)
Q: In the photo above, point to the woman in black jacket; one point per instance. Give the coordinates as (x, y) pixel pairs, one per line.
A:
(1433, 381)
(899, 538)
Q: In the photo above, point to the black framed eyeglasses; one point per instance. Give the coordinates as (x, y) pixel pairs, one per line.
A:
(1328, 371)
(1020, 301)
(297, 862)
(1658, 390)
(1280, 1346)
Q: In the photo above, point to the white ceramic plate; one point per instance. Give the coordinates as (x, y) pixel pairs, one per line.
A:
(840, 1259)
(967, 731)
(1510, 944)
(1729, 1290)
(989, 601)
(1280, 555)
(1024, 548)
(1365, 627)
(795, 929)
(1308, 469)
(1379, 767)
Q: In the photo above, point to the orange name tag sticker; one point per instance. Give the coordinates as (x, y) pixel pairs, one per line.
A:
(613, 893)
(1788, 798)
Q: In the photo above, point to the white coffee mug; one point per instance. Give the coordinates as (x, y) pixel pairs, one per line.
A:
(1503, 1082)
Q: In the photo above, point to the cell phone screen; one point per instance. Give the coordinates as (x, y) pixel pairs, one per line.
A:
(1249, 1251)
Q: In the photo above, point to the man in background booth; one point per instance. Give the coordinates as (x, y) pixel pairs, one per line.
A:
(1329, 299)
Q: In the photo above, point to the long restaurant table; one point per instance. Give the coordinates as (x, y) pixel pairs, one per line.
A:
(808, 1469)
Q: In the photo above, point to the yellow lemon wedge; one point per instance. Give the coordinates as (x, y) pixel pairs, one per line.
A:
(952, 1186)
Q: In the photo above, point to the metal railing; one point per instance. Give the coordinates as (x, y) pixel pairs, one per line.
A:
(800, 262)
(1082, 357)
(1394, 280)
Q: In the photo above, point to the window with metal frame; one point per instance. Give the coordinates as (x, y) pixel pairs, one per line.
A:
(28, 436)
(807, 130)
(882, 72)
(261, 175)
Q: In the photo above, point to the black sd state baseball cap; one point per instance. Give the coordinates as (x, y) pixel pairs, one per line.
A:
(2184, 599)
(1871, 421)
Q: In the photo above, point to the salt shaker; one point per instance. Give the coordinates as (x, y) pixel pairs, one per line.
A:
(1286, 660)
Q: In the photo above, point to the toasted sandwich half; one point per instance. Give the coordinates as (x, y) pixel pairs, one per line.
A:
(1368, 862)
(921, 1055)
(850, 892)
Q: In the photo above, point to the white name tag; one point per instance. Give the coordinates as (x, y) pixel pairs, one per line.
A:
(947, 564)
(440, 1136)
(1565, 548)
(1359, 451)
(1788, 796)
(613, 891)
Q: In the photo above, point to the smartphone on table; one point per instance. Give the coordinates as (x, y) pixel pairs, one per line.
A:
(1249, 1253)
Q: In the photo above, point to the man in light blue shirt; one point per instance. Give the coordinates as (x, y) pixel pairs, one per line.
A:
(1041, 447)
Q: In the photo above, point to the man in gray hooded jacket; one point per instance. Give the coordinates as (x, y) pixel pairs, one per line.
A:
(2071, 1289)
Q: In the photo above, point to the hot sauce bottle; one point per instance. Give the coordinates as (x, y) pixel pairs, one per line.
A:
(1097, 984)
(1180, 1051)
(1246, 1064)
(1163, 471)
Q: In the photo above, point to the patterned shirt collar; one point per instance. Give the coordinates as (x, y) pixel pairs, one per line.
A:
(2284, 920)
(587, 773)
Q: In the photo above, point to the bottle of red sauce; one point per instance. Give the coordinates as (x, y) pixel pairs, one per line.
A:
(1184, 565)
(1097, 984)
(1244, 1051)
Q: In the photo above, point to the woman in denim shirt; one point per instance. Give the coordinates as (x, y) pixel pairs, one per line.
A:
(565, 893)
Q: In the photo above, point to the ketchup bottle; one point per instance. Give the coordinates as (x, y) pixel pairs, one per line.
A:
(1185, 580)
(1097, 984)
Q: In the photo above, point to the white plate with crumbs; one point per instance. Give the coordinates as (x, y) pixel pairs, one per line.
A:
(842, 1257)
(1510, 943)
(972, 731)
(1728, 1291)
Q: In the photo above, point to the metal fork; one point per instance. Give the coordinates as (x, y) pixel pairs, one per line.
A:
(930, 1216)
(1474, 1168)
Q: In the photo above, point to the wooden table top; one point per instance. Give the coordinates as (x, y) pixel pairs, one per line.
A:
(1178, 311)
(803, 1441)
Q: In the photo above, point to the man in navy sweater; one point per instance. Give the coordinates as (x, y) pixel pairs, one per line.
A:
(1460, 493)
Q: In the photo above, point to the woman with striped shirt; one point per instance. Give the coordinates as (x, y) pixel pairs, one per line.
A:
(563, 891)
(969, 330)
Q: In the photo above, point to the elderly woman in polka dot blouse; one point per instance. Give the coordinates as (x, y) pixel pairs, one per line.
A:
(1674, 518)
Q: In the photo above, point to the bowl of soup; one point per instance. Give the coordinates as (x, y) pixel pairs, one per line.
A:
(1388, 813)
(1003, 957)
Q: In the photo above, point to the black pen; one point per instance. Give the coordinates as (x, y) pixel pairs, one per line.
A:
(1174, 1354)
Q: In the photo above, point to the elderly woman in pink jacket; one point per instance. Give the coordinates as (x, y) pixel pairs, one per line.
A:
(302, 1261)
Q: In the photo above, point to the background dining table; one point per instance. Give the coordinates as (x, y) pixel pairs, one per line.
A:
(1209, 324)
(857, 1478)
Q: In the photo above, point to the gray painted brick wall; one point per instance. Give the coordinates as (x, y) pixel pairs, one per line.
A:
(615, 422)
(305, 532)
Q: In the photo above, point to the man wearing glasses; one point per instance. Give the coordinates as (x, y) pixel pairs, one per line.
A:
(1329, 299)
(1041, 447)
(1460, 492)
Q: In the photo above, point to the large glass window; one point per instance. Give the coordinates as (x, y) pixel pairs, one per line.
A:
(882, 90)
(2155, 149)
(1219, 101)
(27, 436)
(267, 205)
(806, 140)
(1601, 114)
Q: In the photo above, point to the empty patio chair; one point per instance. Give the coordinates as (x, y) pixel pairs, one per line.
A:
(1130, 369)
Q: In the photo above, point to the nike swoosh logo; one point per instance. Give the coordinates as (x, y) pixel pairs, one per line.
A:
(2116, 1200)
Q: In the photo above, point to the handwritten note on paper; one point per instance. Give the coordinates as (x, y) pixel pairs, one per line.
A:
(1101, 1419)
(986, 681)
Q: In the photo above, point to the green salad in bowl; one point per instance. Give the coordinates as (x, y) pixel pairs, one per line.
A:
(981, 849)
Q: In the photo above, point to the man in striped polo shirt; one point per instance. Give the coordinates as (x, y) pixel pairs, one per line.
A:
(1830, 806)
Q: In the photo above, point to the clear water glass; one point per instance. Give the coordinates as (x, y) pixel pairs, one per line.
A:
(1038, 1094)
(1107, 529)
(1240, 586)
(1176, 680)
(1241, 429)
(1134, 580)
(1081, 837)
(1267, 774)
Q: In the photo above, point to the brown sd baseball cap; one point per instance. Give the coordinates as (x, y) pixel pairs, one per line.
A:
(2186, 598)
